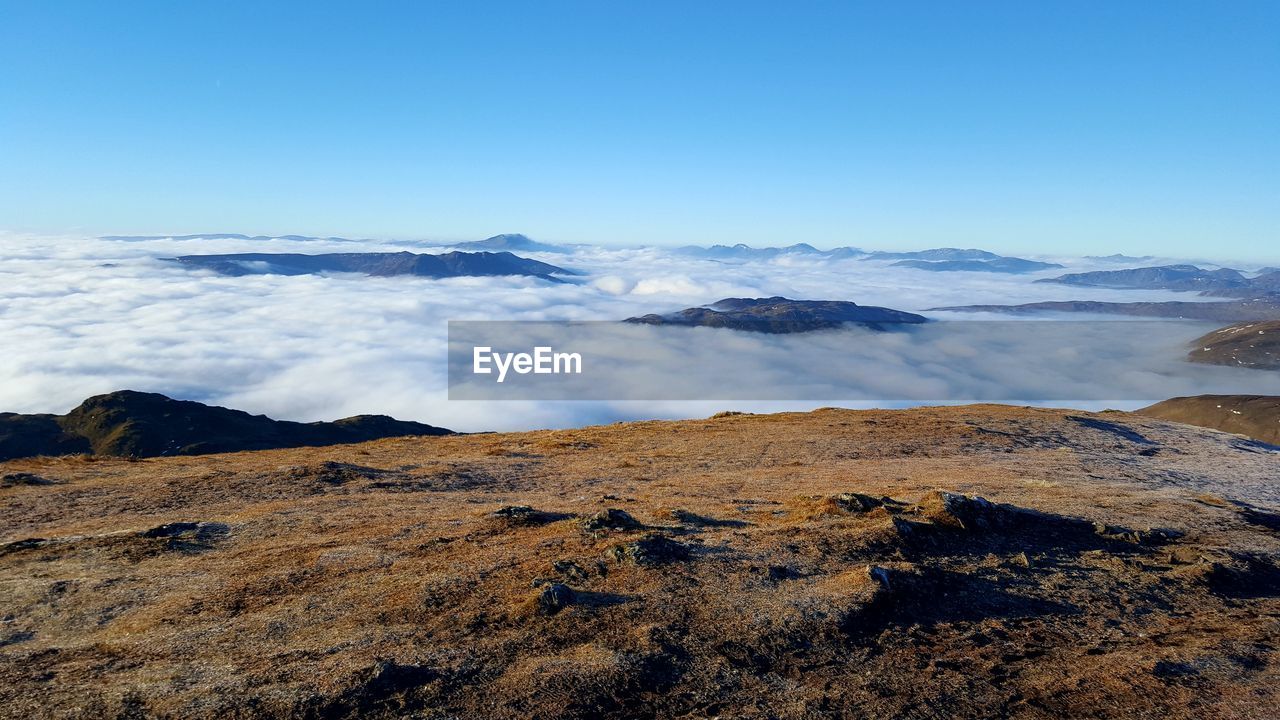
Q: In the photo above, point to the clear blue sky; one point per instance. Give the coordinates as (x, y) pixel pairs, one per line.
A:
(1084, 127)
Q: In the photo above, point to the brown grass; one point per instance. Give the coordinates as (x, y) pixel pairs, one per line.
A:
(375, 581)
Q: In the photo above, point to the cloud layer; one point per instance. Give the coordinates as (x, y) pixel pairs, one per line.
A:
(82, 316)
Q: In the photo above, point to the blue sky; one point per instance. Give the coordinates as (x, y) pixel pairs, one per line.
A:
(1074, 127)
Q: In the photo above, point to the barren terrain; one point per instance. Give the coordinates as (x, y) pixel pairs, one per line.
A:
(941, 562)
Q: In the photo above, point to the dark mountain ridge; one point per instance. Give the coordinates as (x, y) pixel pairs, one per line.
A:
(779, 315)
(1224, 282)
(128, 423)
(378, 264)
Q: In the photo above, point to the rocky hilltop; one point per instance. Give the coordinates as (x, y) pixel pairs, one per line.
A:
(779, 315)
(961, 562)
(451, 264)
(136, 424)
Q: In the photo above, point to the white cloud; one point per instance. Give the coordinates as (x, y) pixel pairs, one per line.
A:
(81, 316)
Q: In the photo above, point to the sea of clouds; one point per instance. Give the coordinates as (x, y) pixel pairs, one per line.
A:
(82, 316)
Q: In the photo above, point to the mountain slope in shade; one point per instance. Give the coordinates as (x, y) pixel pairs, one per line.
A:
(1255, 416)
(960, 562)
(452, 264)
(1250, 345)
(779, 315)
(1009, 265)
(136, 424)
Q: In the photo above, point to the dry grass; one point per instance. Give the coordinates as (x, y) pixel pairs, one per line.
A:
(375, 580)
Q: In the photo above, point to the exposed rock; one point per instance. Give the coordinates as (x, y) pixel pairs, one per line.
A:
(1151, 536)
(188, 537)
(963, 512)
(652, 549)
(611, 519)
(1243, 575)
(22, 478)
(200, 530)
(570, 570)
(880, 575)
(23, 544)
(520, 515)
(854, 502)
(778, 573)
(555, 597)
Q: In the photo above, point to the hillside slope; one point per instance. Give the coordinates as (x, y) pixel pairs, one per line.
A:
(964, 562)
(1251, 345)
(1256, 416)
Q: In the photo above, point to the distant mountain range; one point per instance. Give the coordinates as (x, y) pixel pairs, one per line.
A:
(137, 424)
(1249, 345)
(224, 236)
(936, 259)
(746, 252)
(1118, 258)
(513, 242)
(1223, 282)
(779, 315)
(452, 264)
(1230, 311)
(1010, 265)
(936, 255)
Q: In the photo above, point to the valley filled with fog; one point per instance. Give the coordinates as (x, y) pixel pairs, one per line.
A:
(83, 316)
